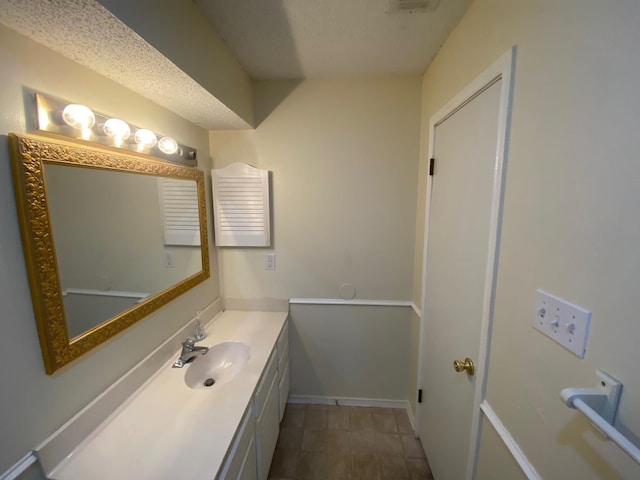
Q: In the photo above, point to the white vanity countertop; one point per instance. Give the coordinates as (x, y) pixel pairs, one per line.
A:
(167, 430)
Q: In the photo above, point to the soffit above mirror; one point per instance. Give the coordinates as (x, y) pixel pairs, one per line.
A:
(88, 33)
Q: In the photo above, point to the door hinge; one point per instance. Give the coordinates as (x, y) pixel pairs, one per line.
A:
(432, 163)
(419, 395)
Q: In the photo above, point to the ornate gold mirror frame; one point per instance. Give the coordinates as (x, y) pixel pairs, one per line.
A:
(29, 155)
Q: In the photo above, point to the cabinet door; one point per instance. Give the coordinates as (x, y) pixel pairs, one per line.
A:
(283, 388)
(242, 456)
(249, 468)
(263, 390)
(282, 348)
(267, 429)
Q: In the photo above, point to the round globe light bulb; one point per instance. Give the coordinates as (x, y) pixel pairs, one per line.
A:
(168, 145)
(78, 116)
(117, 129)
(145, 138)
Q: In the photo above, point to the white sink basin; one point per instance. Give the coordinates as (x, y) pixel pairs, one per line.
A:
(221, 363)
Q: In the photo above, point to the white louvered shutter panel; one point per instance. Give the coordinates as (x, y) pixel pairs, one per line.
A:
(241, 206)
(179, 206)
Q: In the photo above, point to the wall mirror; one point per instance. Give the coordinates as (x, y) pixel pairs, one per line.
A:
(108, 238)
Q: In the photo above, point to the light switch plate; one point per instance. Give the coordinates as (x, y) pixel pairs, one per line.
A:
(564, 322)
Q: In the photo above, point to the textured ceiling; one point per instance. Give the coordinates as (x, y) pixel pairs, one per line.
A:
(277, 39)
(87, 33)
(273, 39)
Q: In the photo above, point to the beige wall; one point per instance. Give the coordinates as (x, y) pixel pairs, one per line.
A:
(495, 462)
(570, 221)
(33, 404)
(344, 157)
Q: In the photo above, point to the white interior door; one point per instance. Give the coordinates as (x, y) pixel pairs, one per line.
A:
(463, 212)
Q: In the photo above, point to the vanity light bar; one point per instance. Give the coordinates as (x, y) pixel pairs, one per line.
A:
(79, 121)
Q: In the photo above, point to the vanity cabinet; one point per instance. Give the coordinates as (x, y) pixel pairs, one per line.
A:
(270, 401)
(255, 441)
(228, 432)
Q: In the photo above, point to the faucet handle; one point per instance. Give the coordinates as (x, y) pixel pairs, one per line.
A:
(189, 342)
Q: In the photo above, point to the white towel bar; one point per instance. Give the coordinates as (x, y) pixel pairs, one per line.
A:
(600, 406)
(608, 429)
(20, 467)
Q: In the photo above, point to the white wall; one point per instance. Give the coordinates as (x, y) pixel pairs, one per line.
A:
(570, 216)
(349, 351)
(344, 157)
(33, 404)
(414, 352)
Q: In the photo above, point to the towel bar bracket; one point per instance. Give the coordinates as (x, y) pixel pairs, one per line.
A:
(604, 399)
(600, 406)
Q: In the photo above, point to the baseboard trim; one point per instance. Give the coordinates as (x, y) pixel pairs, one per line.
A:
(510, 442)
(415, 308)
(20, 467)
(348, 401)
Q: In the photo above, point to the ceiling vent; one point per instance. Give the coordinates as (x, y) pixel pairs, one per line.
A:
(412, 6)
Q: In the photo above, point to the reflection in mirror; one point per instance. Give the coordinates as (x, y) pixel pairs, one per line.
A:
(108, 237)
(110, 240)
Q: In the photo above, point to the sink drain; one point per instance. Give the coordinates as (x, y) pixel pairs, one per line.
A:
(208, 382)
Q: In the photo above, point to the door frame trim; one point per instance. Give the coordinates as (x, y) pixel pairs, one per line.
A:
(501, 69)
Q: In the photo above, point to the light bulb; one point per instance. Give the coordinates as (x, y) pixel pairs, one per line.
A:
(43, 118)
(117, 129)
(78, 116)
(145, 138)
(168, 145)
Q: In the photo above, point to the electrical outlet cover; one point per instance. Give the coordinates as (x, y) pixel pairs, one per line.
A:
(269, 261)
(564, 322)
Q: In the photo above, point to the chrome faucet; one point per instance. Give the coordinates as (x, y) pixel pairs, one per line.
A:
(189, 352)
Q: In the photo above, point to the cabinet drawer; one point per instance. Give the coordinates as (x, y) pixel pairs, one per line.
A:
(265, 383)
(282, 345)
(283, 359)
(243, 450)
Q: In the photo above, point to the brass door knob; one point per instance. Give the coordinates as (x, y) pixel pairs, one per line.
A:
(467, 366)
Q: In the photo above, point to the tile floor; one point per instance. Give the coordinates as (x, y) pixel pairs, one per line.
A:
(328, 442)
